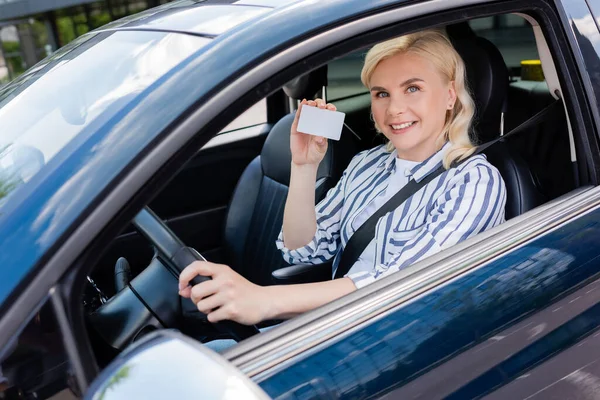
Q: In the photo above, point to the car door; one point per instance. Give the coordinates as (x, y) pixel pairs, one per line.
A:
(492, 331)
(471, 322)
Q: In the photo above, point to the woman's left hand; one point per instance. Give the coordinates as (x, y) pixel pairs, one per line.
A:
(228, 296)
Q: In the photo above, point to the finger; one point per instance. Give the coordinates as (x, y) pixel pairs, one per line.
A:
(331, 107)
(208, 304)
(220, 314)
(304, 101)
(186, 292)
(203, 268)
(312, 103)
(297, 116)
(205, 289)
(321, 143)
(320, 103)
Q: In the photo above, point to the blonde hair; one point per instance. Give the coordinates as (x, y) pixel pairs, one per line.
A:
(435, 47)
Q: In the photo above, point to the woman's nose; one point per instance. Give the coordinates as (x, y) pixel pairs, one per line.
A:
(396, 106)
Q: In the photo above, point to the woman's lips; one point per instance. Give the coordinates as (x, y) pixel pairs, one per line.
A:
(402, 130)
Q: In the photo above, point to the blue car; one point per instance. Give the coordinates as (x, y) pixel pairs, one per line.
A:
(163, 138)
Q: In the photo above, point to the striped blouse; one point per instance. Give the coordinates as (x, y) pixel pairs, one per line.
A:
(456, 205)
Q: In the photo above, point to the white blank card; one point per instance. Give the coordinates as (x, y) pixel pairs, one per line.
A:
(321, 122)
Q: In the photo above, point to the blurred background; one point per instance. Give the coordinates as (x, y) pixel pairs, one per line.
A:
(32, 29)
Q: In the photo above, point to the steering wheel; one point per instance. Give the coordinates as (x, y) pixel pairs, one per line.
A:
(175, 256)
(150, 301)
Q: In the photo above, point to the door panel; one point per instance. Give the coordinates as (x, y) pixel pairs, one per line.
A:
(208, 180)
(572, 374)
(503, 357)
(436, 333)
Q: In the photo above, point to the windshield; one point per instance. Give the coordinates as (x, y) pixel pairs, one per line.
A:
(76, 89)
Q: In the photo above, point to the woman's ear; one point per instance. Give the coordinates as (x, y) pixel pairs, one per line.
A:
(451, 95)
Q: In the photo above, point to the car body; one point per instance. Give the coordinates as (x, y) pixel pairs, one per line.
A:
(511, 313)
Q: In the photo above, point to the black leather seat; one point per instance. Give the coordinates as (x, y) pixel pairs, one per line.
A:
(255, 212)
(487, 77)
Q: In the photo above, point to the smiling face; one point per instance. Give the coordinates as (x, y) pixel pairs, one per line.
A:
(410, 100)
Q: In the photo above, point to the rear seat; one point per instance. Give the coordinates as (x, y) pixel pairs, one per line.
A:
(546, 146)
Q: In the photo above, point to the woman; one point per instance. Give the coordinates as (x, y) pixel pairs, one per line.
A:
(420, 102)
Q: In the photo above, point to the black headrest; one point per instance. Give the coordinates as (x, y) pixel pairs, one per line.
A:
(276, 157)
(487, 78)
(305, 86)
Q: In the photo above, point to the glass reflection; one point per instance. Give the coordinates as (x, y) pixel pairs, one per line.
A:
(207, 20)
(90, 84)
(419, 334)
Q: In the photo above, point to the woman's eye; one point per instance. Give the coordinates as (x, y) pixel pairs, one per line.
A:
(382, 94)
(412, 89)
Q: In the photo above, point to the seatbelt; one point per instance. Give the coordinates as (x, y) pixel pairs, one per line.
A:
(365, 234)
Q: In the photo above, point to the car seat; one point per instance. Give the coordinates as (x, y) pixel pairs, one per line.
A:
(487, 78)
(255, 213)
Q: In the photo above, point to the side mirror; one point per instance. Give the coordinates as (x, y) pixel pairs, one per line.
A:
(169, 365)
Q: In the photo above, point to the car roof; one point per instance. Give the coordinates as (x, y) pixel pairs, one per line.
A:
(199, 17)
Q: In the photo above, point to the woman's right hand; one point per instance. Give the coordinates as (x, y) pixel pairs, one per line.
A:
(305, 148)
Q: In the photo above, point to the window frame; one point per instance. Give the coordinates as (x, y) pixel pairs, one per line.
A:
(108, 219)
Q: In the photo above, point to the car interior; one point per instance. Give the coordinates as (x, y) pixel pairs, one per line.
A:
(239, 187)
(227, 202)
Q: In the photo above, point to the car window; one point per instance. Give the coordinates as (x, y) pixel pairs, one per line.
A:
(48, 107)
(255, 115)
(343, 76)
(512, 35)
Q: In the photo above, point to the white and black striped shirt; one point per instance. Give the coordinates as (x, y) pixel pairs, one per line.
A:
(456, 205)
